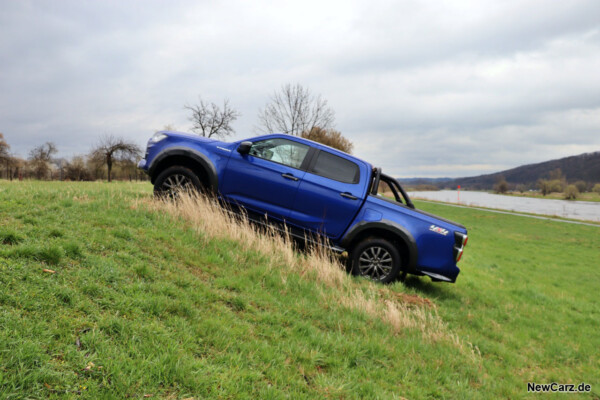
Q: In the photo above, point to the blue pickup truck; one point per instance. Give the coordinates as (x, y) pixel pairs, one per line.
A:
(314, 190)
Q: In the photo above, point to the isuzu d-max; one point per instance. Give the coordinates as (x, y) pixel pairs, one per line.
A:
(316, 191)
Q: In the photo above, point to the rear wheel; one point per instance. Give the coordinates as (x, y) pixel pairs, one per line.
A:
(377, 259)
(175, 179)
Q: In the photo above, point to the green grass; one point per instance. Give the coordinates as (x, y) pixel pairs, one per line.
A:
(527, 297)
(142, 304)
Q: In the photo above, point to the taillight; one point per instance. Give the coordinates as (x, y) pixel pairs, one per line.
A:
(460, 241)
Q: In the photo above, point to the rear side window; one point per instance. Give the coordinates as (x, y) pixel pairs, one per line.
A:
(337, 168)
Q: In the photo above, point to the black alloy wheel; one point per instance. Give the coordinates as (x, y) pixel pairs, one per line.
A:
(173, 180)
(377, 259)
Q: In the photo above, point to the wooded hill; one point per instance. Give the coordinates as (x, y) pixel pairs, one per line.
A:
(584, 167)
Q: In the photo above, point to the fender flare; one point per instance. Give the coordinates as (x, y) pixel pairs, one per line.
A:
(388, 226)
(195, 155)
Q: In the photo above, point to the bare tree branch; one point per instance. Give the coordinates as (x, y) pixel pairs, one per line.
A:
(4, 148)
(294, 110)
(111, 149)
(5, 158)
(210, 120)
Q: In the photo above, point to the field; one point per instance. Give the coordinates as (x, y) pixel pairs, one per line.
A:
(107, 293)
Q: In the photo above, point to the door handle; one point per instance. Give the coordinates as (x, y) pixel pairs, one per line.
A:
(348, 196)
(289, 176)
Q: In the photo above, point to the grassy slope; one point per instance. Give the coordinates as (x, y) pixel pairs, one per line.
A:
(140, 304)
(527, 297)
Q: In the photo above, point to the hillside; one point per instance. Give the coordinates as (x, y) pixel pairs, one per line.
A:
(584, 167)
(109, 294)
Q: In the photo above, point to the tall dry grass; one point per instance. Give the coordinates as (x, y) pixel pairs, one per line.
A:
(212, 221)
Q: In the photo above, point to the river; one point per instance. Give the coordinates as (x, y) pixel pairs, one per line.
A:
(580, 210)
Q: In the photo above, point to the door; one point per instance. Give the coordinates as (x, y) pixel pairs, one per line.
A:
(266, 179)
(329, 196)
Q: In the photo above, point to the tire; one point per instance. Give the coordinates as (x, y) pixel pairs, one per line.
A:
(175, 179)
(376, 259)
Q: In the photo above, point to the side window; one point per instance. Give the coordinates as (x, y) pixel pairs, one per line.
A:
(336, 168)
(281, 151)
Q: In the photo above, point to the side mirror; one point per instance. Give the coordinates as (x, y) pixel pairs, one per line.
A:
(244, 148)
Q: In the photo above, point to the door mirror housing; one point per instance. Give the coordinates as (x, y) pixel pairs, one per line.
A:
(244, 148)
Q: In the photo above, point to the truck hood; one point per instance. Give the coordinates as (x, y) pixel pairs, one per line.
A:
(190, 136)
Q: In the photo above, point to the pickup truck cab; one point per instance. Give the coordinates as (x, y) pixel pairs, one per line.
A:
(314, 190)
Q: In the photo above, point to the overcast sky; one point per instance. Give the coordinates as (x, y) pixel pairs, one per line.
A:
(422, 88)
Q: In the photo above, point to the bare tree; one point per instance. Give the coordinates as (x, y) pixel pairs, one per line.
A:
(61, 165)
(4, 147)
(40, 158)
(210, 120)
(5, 157)
(16, 167)
(111, 149)
(12, 164)
(294, 110)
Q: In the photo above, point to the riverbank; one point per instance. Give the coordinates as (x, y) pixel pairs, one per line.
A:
(587, 196)
(577, 210)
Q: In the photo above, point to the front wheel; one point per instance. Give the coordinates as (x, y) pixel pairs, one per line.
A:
(175, 179)
(376, 259)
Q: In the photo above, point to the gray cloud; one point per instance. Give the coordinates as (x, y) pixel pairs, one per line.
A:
(423, 89)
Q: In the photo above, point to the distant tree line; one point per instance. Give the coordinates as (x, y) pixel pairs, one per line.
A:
(554, 182)
(111, 158)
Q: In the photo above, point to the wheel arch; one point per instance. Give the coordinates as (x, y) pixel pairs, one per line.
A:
(387, 230)
(194, 160)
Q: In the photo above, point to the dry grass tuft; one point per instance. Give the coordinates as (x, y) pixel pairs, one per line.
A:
(412, 300)
(212, 221)
(399, 310)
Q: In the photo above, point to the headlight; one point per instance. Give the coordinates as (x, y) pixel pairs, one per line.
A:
(158, 136)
